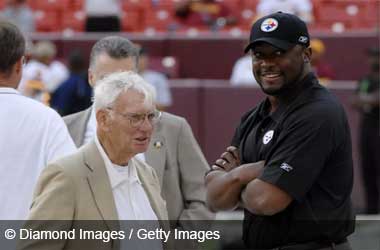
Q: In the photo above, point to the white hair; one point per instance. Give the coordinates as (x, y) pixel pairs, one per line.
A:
(108, 89)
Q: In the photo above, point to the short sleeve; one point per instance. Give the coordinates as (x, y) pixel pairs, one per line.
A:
(301, 150)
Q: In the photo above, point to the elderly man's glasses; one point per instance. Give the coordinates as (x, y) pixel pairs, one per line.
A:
(136, 120)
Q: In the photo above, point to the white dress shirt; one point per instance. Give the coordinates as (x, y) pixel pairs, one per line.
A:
(131, 202)
(31, 135)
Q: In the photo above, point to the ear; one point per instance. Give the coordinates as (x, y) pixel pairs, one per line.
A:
(18, 65)
(307, 55)
(103, 120)
(91, 78)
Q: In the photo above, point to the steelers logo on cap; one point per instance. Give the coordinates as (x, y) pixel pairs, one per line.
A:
(269, 25)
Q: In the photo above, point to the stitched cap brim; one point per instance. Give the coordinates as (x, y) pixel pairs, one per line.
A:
(284, 45)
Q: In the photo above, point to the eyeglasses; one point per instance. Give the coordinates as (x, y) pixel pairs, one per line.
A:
(136, 120)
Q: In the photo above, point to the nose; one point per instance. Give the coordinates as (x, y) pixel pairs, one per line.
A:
(267, 62)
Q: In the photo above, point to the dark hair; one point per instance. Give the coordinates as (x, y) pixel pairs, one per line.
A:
(143, 51)
(12, 46)
(76, 61)
(116, 47)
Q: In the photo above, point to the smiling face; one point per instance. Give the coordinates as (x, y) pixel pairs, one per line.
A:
(276, 70)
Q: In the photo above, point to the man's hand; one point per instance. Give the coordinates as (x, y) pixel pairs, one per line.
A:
(228, 160)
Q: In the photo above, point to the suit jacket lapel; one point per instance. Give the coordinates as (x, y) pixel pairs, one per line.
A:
(156, 153)
(151, 190)
(100, 185)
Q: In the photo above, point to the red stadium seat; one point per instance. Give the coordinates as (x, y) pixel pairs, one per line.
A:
(73, 20)
(160, 19)
(2, 4)
(372, 12)
(134, 5)
(73, 5)
(250, 4)
(47, 21)
(131, 21)
(350, 13)
(33, 4)
(51, 5)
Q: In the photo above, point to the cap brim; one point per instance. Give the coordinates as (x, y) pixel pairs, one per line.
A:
(272, 41)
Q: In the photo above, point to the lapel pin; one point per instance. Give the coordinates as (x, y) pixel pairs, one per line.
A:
(158, 144)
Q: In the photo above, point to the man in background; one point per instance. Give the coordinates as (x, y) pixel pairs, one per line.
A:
(367, 101)
(43, 73)
(157, 79)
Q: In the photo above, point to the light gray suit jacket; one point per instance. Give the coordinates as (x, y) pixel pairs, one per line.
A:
(179, 163)
(75, 192)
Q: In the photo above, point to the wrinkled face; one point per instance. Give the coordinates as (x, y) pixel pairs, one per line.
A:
(117, 127)
(276, 69)
(104, 65)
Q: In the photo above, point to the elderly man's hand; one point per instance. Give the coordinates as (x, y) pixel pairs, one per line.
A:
(228, 160)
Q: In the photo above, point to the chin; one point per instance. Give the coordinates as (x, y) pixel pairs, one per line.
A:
(271, 90)
(141, 149)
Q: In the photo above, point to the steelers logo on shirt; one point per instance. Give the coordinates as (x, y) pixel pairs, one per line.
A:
(268, 137)
(269, 25)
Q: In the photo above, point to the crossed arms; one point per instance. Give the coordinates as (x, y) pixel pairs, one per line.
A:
(231, 184)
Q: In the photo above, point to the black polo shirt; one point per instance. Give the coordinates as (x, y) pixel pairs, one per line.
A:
(306, 145)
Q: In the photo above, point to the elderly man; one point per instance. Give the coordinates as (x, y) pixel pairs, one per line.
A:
(31, 134)
(173, 151)
(103, 181)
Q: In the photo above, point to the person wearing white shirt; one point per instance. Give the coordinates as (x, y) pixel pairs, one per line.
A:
(31, 134)
(157, 79)
(102, 15)
(242, 73)
(43, 74)
(302, 8)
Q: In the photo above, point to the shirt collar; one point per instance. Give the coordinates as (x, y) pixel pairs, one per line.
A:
(7, 90)
(115, 177)
(92, 119)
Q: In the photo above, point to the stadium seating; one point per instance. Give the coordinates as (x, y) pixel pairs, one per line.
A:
(158, 15)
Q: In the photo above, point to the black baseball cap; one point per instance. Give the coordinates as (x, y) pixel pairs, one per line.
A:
(282, 30)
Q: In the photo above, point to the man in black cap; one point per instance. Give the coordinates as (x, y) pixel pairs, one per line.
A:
(290, 161)
(367, 101)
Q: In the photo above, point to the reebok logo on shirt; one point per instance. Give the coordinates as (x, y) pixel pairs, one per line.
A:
(286, 167)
